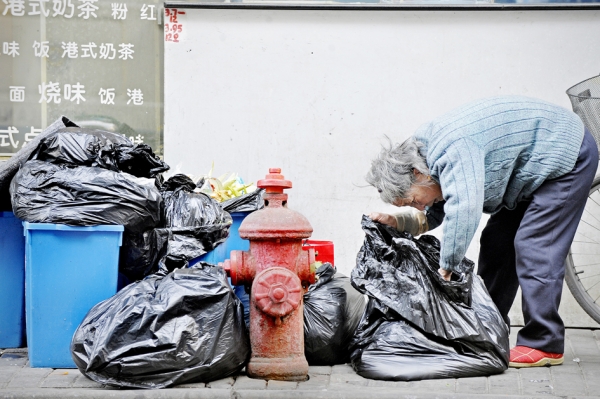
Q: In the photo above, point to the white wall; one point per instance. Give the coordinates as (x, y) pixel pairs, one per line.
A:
(314, 92)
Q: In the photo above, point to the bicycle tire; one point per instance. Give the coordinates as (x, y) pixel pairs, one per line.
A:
(583, 261)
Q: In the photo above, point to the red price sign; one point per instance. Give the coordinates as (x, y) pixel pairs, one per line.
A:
(173, 25)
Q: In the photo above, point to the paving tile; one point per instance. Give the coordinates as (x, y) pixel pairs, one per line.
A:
(568, 381)
(28, 378)
(507, 383)
(592, 381)
(386, 384)
(445, 385)
(60, 378)
(343, 378)
(477, 385)
(83, 382)
(245, 382)
(6, 374)
(583, 344)
(282, 385)
(512, 338)
(12, 359)
(342, 369)
(224, 383)
(315, 382)
(312, 370)
(536, 381)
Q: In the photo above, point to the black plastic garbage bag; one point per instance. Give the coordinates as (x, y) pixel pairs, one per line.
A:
(332, 311)
(186, 326)
(9, 169)
(417, 325)
(43, 192)
(185, 208)
(91, 147)
(178, 182)
(245, 203)
(185, 243)
(140, 160)
(140, 252)
(194, 224)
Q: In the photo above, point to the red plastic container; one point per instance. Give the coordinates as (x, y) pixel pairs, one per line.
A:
(323, 250)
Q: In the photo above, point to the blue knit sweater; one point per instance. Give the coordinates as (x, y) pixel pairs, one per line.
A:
(494, 153)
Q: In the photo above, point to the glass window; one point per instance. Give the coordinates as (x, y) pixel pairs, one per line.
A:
(98, 63)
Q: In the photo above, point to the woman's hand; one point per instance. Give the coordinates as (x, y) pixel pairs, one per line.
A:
(446, 274)
(384, 218)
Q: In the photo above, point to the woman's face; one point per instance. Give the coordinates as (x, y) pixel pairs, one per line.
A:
(423, 194)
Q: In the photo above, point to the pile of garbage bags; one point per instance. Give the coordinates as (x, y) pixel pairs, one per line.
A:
(418, 325)
(44, 192)
(193, 224)
(86, 177)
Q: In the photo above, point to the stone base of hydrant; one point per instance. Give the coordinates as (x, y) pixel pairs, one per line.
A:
(282, 369)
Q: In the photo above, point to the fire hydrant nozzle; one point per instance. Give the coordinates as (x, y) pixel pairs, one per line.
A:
(277, 269)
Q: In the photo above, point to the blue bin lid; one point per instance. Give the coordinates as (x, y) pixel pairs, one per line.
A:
(7, 214)
(55, 226)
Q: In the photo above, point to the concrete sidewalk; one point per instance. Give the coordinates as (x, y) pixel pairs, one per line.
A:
(578, 377)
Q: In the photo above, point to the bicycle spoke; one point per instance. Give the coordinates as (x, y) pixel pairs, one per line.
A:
(586, 242)
(588, 277)
(585, 210)
(588, 237)
(593, 200)
(586, 265)
(592, 226)
(582, 253)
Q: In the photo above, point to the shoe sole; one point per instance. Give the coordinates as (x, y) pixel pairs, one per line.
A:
(540, 363)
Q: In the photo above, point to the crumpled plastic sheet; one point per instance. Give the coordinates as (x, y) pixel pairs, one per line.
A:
(332, 311)
(417, 325)
(186, 326)
(42, 192)
(245, 203)
(9, 168)
(185, 208)
(91, 147)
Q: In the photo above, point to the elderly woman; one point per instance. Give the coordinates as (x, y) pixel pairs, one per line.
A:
(527, 163)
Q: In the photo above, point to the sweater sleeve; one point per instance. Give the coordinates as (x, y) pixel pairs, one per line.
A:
(461, 173)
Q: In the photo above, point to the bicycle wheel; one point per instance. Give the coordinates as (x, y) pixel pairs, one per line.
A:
(583, 262)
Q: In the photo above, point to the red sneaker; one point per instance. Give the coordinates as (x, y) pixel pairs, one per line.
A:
(523, 356)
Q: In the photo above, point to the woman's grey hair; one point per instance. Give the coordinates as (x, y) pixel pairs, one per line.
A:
(392, 171)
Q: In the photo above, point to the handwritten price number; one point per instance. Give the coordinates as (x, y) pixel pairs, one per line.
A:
(172, 13)
(172, 37)
(173, 28)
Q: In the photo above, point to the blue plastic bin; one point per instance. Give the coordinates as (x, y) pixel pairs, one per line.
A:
(233, 242)
(12, 282)
(68, 270)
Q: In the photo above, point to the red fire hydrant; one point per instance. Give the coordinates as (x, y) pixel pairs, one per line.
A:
(279, 271)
